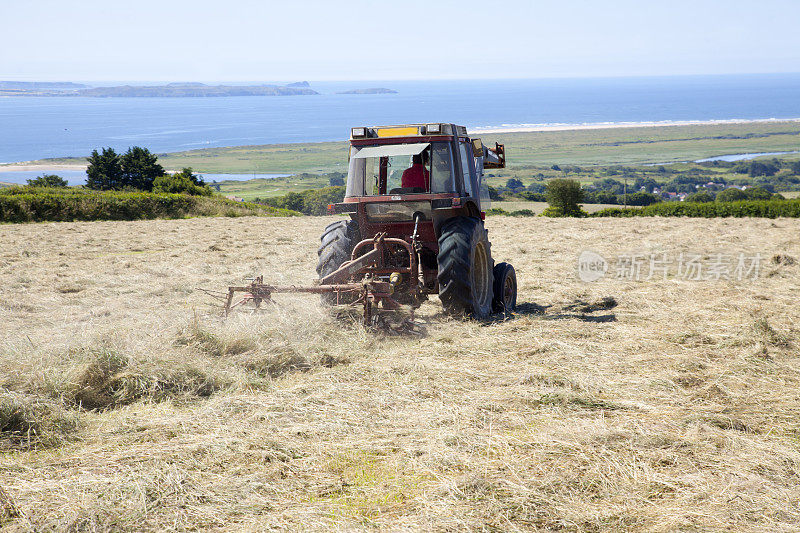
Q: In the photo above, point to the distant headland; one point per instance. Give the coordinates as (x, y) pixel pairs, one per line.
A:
(170, 90)
(375, 90)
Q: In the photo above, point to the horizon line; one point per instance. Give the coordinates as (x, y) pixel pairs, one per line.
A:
(12, 78)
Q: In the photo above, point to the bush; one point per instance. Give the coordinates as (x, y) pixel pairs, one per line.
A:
(744, 208)
(731, 195)
(48, 180)
(532, 196)
(564, 195)
(756, 168)
(311, 202)
(642, 198)
(556, 212)
(600, 197)
(514, 183)
(757, 193)
(699, 197)
(494, 195)
(183, 182)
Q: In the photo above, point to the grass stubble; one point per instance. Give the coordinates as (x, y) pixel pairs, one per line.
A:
(127, 403)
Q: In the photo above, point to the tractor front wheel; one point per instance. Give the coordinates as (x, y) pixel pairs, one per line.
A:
(505, 288)
(336, 247)
(465, 268)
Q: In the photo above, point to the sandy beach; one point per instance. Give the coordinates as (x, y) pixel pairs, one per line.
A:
(26, 166)
(525, 128)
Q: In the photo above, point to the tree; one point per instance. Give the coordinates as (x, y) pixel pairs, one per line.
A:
(610, 185)
(104, 171)
(48, 180)
(514, 184)
(648, 184)
(700, 197)
(643, 198)
(564, 195)
(536, 187)
(494, 195)
(757, 193)
(336, 181)
(188, 173)
(757, 168)
(183, 182)
(140, 168)
(731, 195)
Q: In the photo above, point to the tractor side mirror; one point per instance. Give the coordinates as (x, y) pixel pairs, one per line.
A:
(477, 148)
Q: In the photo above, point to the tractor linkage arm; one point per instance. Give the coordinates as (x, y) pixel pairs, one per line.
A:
(366, 266)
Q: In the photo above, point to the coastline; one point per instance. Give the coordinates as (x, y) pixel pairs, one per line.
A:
(28, 166)
(317, 155)
(529, 128)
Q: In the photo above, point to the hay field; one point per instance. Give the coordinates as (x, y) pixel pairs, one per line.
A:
(539, 207)
(675, 406)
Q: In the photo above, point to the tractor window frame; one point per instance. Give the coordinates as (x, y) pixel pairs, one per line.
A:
(366, 178)
(467, 168)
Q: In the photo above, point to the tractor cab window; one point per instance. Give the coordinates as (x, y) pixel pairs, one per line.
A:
(442, 168)
(413, 168)
(467, 168)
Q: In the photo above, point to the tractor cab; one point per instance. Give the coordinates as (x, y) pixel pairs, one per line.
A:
(435, 170)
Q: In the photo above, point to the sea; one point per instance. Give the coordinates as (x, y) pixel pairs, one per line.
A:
(45, 127)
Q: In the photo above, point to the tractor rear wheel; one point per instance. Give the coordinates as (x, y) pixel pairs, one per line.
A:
(465, 268)
(337, 243)
(505, 288)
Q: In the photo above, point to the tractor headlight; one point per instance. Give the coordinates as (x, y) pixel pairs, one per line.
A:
(358, 132)
(433, 129)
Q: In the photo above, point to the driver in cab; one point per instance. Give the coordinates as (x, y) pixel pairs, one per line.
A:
(417, 175)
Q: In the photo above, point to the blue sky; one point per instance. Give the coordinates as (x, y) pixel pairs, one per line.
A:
(244, 40)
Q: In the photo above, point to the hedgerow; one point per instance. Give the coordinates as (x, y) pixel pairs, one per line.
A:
(744, 208)
(28, 204)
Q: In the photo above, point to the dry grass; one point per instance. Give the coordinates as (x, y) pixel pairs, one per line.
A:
(659, 405)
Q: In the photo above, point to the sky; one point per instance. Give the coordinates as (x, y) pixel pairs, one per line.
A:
(290, 40)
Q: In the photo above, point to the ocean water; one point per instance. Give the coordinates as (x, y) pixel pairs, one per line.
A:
(35, 128)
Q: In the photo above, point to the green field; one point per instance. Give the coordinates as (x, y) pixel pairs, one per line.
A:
(576, 147)
(635, 145)
(537, 207)
(266, 188)
(529, 154)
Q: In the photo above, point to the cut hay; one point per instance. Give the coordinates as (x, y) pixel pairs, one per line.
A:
(655, 405)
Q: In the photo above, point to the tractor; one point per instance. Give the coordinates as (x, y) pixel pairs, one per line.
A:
(415, 202)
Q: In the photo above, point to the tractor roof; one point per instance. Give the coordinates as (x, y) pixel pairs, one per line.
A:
(406, 130)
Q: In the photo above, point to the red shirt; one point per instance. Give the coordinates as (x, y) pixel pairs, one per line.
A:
(416, 176)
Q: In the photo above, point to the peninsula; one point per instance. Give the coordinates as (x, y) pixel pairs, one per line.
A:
(171, 90)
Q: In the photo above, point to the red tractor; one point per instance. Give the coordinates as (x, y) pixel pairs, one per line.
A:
(416, 200)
